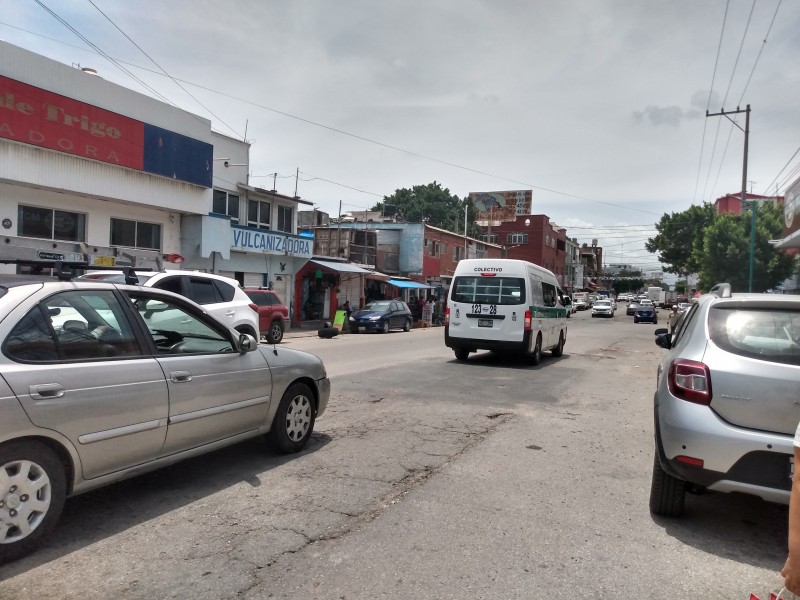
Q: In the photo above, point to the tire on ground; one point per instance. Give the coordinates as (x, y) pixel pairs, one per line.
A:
(35, 482)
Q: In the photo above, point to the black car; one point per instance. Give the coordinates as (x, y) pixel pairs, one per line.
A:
(645, 313)
(381, 316)
(632, 306)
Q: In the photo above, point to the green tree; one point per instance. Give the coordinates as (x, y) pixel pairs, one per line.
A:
(432, 204)
(680, 239)
(725, 253)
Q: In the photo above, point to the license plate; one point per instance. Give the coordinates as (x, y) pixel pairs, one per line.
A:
(362, 329)
(485, 322)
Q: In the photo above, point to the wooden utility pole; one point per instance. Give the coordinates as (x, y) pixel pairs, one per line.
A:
(753, 204)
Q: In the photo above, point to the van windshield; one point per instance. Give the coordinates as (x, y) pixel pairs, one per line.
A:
(489, 290)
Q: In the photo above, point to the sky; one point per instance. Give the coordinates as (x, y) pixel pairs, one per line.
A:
(598, 106)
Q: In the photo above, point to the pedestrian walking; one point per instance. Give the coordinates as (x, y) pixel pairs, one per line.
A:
(672, 319)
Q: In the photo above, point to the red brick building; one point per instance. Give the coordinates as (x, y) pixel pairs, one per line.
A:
(533, 238)
(443, 249)
(731, 204)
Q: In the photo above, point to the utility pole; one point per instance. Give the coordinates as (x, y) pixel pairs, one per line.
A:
(753, 204)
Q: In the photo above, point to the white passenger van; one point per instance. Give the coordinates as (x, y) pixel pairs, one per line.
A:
(507, 306)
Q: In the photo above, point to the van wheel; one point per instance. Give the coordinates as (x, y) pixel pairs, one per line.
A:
(461, 353)
(559, 350)
(536, 356)
(667, 493)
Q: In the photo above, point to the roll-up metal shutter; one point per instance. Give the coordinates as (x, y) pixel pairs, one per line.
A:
(254, 280)
(350, 288)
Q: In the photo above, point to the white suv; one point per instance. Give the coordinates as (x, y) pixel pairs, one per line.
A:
(220, 296)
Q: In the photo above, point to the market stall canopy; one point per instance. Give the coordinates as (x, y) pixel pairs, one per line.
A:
(339, 267)
(409, 284)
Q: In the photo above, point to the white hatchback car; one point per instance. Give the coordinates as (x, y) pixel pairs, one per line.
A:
(220, 296)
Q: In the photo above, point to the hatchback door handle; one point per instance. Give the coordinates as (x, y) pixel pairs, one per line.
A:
(46, 390)
(180, 376)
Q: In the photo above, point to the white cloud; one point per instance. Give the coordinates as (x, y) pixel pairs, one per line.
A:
(600, 102)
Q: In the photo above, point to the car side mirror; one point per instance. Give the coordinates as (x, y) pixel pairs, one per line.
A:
(246, 343)
(664, 340)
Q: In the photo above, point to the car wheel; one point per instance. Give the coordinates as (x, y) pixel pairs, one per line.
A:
(559, 350)
(667, 493)
(385, 327)
(536, 356)
(294, 421)
(275, 332)
(32, 488)
(461, 353)
(407, 325)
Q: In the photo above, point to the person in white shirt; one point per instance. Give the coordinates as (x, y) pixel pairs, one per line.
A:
(791, 570)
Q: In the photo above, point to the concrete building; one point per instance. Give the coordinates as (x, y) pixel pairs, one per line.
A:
(95, 172)
(535, 239)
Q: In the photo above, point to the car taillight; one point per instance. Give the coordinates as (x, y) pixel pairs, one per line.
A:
(253, 306)
(690, 381)
(528, 320)
(447, 315)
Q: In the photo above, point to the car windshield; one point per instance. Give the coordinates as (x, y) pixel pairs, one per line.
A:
(763, 334)
(378, 306)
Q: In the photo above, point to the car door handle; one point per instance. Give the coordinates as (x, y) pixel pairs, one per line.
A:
(230, 313)
(180, 376)
(46, 390)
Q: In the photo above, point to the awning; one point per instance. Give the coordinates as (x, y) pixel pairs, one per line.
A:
(339, 267)
(409, 284)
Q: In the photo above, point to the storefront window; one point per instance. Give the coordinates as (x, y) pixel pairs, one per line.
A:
(258, 214)
(51, 224)
(226, 204)
(285, 219)
(135, 234)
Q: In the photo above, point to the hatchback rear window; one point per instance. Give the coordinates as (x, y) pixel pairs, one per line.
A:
(764, 334)
(489, 290)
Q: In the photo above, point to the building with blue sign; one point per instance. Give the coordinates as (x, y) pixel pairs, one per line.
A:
(93, 171)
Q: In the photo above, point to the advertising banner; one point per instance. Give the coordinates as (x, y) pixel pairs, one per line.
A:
(41, 118)
(501, 206)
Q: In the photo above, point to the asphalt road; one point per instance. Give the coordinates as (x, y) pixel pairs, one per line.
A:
(427, 478)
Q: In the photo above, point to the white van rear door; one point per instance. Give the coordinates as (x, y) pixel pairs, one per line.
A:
(488, 306)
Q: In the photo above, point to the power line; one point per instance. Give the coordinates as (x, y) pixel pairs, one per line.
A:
(356, 136)
(708, 102)
(165, 72)
(102, 53)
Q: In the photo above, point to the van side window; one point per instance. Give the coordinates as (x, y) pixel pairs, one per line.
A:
(549, 294)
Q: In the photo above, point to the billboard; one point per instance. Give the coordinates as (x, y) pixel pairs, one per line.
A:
(501, 206)
(41, 118)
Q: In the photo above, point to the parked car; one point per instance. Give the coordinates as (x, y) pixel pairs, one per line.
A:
(632, 306)
(645, 314)
(102, 381)
(725, 407)
(603, 308)
(381, 316)
(221, 296)
(273, 314)
(684, 306)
